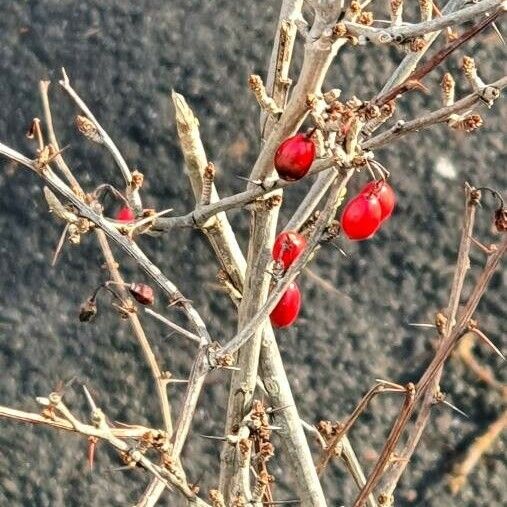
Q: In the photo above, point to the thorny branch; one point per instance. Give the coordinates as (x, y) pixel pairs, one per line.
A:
(249, 281)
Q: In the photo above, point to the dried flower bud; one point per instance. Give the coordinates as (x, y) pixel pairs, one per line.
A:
(417, 44)
(448, 86)
(501, 219)
(217, 499)
(142, 293)
(366, 18)
(469, 67)
(137, 179)
(87, 128)
(339, 30)
(88, 310)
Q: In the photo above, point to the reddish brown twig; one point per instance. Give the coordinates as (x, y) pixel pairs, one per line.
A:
(413, 81)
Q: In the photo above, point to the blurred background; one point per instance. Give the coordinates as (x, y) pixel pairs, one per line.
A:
(124, 58)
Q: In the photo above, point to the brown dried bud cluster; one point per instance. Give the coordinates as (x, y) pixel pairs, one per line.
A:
(142, 293)
(207, 183)
(417, 44)
(156, 439)
(396, 5)
(426, 7)
(469, 68)
(448, 85)
(472, 122)
(339, 30)
(355, 7)
(440, 321)
(238, 501)
(216, 498)
(272, 202)
(137, 179)
(226, 360)
(365, 18)
(86, 127)
(385, 500)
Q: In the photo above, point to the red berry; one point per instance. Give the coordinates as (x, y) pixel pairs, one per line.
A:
(287, 310)
(125, 215)
(385, 194)
(288, 246)
(361, 217)
(294, 157)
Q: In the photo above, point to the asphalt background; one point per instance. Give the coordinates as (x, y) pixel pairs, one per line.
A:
(124, 57)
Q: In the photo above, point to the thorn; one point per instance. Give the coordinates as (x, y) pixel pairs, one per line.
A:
(65, 81)
(92, 445)
(89, 398)
(484, 248)
(119, 469)
(177, 381)
(420, 324)
(486, 340)
(234, 368)
(259, 183)
(455, 408)
(271, 410)
(213, 437)
(69, 383)
(498, 33)
(59, 246)
(343, 252)
(391, 384)
(274, 428)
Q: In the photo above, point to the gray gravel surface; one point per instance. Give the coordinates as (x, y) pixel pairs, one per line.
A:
(125, 57)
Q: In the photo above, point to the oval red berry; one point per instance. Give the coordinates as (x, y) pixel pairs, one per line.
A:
(125, 215)
(294, 157)
(288, 246)
(361, 217)
(384, 193)
(286, 311)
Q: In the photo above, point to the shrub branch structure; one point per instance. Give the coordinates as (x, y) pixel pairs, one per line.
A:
(344, 132)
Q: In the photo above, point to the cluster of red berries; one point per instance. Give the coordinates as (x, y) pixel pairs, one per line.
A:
(363, 215)
(287, 248)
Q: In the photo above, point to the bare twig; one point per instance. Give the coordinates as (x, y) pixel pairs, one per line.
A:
(462, 267)
(490, 93)
(132, 190)
(399, 34)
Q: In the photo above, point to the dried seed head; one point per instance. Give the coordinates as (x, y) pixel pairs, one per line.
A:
(87, 128)
(142, 293)
(501, 219)
(88, 310)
